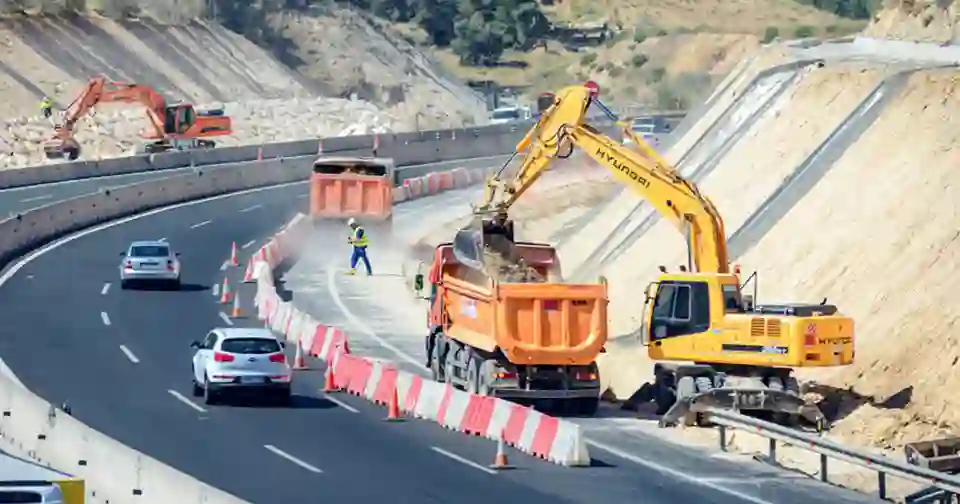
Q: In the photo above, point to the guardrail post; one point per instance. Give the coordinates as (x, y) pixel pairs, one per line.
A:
(772, 452)
(823, 468)
(882, 485)
(723, 438)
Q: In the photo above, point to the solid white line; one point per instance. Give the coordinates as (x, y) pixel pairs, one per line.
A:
(215, 289)
(105, 318)
(126, 351)
(180, 397)
(106, 287)
(462, 460)
(200, 224)
(225, 265)
(353, 319)
(678, 474)
(225, 318)
(36, 198)
(254, 207)
(248, 244)
(340, 403)
(293, 459)
(302, 196)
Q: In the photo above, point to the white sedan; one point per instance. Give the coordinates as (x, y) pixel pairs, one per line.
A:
(238, 359)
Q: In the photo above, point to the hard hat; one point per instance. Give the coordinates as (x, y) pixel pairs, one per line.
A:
(351, 221)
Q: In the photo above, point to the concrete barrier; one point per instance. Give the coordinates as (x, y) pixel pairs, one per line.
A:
(413, 148)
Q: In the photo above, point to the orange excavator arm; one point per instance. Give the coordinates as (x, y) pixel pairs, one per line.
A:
(100, 90)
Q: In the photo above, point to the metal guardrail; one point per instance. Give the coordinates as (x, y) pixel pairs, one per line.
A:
(945, 484)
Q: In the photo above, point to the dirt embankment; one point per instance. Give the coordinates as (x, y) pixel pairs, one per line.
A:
(919, 20)
(211, 66)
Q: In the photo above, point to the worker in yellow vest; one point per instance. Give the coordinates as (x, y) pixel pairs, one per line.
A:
(358, 238)
(46, 107)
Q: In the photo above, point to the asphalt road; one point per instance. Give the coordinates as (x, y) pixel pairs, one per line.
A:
(21, 199)
(64, 321)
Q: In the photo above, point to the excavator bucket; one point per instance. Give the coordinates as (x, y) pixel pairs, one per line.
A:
(470, 241)
(743, 399)
(58, 148)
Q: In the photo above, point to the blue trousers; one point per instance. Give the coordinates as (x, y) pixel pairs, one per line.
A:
(360, 254)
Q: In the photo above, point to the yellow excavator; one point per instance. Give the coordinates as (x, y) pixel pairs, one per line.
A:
(714, 347)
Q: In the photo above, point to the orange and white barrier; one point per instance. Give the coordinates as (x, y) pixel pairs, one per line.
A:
(553, 439)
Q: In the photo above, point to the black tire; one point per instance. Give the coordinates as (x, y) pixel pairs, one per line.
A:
(282, 397)
(586, 406)
(197, 390)
(473, 376)
(436, 372)
(124, 284)
(175, 285)
(210, 397)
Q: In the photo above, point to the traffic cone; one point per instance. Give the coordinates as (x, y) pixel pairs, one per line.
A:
(225, 293)
(236, 312)
(234, 260)
(330, 381)
(393, 409)
(248, 275)
(298, 363)
(500, 460)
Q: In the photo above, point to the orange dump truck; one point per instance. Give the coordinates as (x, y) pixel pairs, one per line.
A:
(358, 187)
(529, 340)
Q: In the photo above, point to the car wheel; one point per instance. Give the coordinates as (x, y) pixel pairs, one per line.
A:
(175, 284)
(124, 284)
(283, 397)
(209, 396)
(197, 389)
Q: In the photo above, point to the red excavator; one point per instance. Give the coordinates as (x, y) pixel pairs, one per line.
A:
(174, 126)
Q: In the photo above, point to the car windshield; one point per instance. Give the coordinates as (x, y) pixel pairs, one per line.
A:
(506, 114)
(149, 251)
(250, 346)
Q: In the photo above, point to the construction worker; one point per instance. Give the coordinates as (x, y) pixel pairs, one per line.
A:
(46, 107)
(358, 238)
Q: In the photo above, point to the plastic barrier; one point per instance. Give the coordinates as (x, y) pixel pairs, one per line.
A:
(556, 440)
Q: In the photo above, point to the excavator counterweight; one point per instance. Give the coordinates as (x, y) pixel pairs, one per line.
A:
(713, 347)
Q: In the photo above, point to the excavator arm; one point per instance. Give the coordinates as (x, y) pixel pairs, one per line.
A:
(100, 90)
(559, 130)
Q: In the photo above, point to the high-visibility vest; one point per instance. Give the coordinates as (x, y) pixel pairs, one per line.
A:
(360, 238)
(45, 104)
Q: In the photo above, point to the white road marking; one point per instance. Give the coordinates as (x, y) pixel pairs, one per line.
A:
(215, 289)
(225, 265)
(293, 459)
(248, 244)
(106, 287)
(105, 318)
(225, 318)
(340, 403)
(27, 259)
(712, 485)
(180, 397)
(126, 351)
(254, 207)
(353, 319)
(462, 460)
(200, 224)
(36, 198)
(302, 196)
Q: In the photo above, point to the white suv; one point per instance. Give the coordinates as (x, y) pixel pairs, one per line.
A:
(241, 360)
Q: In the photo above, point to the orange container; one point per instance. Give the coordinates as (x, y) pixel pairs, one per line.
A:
(342, 187)
(531, 323)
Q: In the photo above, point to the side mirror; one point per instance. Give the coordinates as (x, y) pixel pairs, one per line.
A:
(283, 344)
(177, 254)
(194, 344)
(122, 254)
(418, 282)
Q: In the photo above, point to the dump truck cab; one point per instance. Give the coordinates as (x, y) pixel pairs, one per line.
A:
(343, 187)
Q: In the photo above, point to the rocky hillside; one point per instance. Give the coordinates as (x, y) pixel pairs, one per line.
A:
(328, 93)
(921, 20)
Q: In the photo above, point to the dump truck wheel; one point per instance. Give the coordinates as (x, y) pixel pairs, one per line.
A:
(435, 362)
(585, 406)
(473, 376)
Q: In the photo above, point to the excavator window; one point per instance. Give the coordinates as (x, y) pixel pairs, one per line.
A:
(680, 308)
(186, 116)
(732, 300)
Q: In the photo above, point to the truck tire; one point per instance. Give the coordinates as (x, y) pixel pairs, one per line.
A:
(435, 369)
(473, 376)
(586, 406)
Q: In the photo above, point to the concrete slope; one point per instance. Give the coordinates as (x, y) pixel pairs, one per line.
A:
(878, 236)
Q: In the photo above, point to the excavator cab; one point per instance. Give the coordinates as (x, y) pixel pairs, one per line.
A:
(179, 118)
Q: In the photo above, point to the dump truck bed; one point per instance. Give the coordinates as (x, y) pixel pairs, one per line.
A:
(531, 323)
(344, 187)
